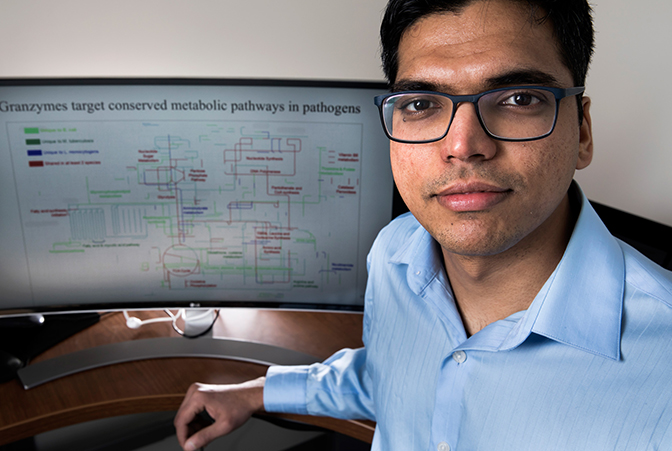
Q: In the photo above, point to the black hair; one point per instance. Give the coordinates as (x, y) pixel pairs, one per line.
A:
(571, 20)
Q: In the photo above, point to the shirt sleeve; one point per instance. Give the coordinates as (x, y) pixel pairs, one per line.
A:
(339, 387)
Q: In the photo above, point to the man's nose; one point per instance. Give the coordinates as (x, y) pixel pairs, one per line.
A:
(466, 138)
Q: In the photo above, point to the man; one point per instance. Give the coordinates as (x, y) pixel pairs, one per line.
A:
(501, 314)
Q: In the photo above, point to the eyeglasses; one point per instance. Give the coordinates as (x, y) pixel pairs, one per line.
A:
(521, 113)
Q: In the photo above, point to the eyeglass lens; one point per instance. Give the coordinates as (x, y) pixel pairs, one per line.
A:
(517, 113)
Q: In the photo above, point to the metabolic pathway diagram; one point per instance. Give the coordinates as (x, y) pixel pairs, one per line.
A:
(258, 209)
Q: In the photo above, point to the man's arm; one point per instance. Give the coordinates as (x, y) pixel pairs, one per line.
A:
(339, 387)
(229, 406)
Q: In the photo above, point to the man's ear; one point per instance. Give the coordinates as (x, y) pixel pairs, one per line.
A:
(585, 137)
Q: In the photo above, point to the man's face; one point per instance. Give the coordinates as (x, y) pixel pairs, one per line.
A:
(473, 194)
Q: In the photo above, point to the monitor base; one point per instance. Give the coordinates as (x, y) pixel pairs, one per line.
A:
(152, 348)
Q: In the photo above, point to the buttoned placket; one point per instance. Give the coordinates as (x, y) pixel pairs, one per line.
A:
(457, 369)
(431, 283)
(454, 369)
(450, 392)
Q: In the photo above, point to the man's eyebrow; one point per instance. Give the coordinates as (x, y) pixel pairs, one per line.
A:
(415, 85)
(521, 77)
(512, 78)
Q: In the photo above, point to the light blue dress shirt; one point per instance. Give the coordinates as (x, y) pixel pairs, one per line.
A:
(587, 367)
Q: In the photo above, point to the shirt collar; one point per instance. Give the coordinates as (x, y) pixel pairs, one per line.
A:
(422, 255)
(580, 304)
(426, 277)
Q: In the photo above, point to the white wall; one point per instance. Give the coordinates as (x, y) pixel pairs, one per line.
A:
(632, 108)
(329, 39)
(199, 38)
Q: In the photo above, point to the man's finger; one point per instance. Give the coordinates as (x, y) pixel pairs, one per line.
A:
(186, 414)
(206, 435)
(181, 426)
(200, 421)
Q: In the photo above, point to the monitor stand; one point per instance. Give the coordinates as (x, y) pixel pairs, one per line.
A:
(153, 348)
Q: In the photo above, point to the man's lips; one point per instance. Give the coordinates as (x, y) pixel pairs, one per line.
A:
(477, 196)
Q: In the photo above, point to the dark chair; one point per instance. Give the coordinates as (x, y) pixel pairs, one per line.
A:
(651, 238)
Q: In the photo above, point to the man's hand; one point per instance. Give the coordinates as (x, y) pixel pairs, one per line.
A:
(228, 405)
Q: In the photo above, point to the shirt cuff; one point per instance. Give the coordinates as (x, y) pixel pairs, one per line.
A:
(285, 389)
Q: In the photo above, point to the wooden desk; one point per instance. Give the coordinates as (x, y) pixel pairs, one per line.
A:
(160, 384)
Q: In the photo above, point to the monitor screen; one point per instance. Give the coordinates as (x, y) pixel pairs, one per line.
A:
(124, 194)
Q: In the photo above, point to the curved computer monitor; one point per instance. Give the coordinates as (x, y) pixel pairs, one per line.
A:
(134, 193)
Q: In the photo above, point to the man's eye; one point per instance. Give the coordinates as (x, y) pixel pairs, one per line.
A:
(418, 105)
(521, 99)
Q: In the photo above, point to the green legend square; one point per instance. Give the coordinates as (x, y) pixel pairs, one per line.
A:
(32, 142)
(31, 131)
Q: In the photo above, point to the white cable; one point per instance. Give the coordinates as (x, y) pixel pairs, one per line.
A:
(133, 322)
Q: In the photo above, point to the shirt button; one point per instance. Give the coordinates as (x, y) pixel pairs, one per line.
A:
(443, 446)
(459, 356)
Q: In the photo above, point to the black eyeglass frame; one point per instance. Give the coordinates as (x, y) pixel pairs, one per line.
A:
(558, 93)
